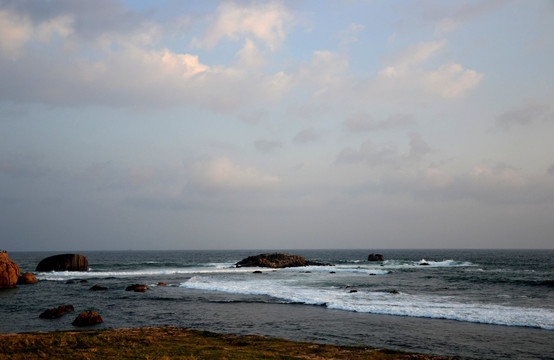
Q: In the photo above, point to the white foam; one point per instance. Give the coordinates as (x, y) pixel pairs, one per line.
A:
(428, 306)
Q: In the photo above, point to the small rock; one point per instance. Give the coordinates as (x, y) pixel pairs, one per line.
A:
(27, 278)
(332, 272)
(375, 257)
(394, 292)
(83, 281)
(353, 291)
(137, 288)
(87, 318)
(257, 272)
(70, 282)
(98, 287)
(161, 284)
(56, 312)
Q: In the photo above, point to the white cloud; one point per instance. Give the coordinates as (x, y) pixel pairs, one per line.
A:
(350, 34)
(15, 31)
(267, 22)
(223, 174)
(451, 80)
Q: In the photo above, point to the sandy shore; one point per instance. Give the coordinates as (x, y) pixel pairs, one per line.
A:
(177, 343)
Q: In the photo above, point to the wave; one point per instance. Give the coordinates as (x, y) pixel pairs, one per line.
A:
(427, 306)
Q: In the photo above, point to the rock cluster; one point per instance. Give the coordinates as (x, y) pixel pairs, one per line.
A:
(63, 262)
(277, 260)
(9, 272)
(56, 312)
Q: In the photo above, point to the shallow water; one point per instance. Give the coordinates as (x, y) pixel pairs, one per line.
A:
(476, 304)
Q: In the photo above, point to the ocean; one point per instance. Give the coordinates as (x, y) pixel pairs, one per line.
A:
(480, 304)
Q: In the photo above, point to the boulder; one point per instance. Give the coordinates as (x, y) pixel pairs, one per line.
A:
(137, 288)
(277, 260)
(63, 262)
(87, 318)
(27, 278)
(375, 257)
(56, 312)
(9, 272)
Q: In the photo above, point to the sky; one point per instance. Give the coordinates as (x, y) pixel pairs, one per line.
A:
(276, 124)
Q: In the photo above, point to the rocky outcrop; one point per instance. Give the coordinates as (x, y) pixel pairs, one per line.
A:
(87, 318)
(56, 312)
(27, 278)
(137, 288)
(9, 272)
(375, 257)
(63, 262)
(277, 260)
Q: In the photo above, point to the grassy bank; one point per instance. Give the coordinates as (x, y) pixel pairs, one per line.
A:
(176, 343)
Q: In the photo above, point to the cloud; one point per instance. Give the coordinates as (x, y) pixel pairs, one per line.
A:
(222, 174)
(349, 35)
(266, 22)
(363, 122)
(15, 31)
(451, 80)
(450, 18)
(386, 154)
(266, 146)
(306, 135)
(524, 115)
(550, 170)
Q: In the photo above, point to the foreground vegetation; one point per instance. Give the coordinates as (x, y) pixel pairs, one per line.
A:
(176, 343)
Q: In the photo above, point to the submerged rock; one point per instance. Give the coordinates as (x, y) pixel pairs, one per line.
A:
(63, 262)
(277, 260)
(56, 312)
(375, 257)
(137, 288)
(9, 272)
(87, 318)
(98, 287)
(27, 278)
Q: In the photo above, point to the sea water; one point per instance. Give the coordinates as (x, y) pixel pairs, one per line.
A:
(477, 304)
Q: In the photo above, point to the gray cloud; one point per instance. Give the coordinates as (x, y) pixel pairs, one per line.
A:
(524, 115)
(267, 146)
(363, 122)
(306, 135)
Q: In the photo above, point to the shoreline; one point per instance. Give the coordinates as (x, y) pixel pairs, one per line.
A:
(170, 342)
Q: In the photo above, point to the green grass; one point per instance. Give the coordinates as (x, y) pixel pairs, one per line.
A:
(176, 343)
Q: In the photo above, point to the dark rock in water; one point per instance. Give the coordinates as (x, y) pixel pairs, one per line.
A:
(394, 292)
(423, 263)
(375, 257)
(27, 278)
(83, 281)
(137, 288)
(332, 272)
(257, 272)
(70, 282)
(9, 272)
(63, 262)
(87, 318)
(353, 291)
(161, 284)
(56, 312)
(277, 260)
(98, 287)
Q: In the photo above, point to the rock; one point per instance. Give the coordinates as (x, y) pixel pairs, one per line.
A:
(9, 272)
(27, 278)
(83, 281)
(423, 262)
(137, 288)
(87, 318)
(375, 257)
(70, 282)
(161, 284)
(63, 262)
(394, 292)
(98, 287)
(353, 291)
(56, 312)
(257, 272)
(332, 272)
(277, 260)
